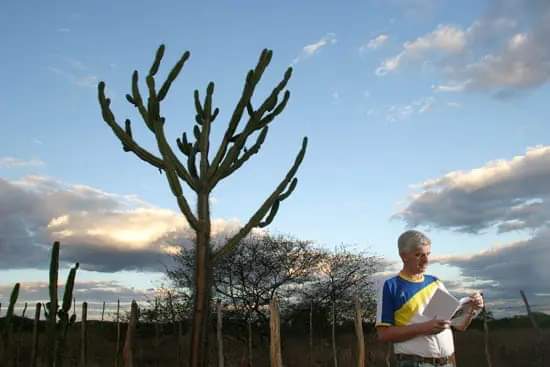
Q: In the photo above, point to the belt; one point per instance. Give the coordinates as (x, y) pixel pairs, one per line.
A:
(441, 361)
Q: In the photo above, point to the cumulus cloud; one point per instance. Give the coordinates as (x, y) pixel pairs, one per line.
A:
(312, 49)
(445, 38)
(397, 113)
(501, 272)
(504, 52)
(375, 43)
(12, 162)
(509, 194)
(102, 231)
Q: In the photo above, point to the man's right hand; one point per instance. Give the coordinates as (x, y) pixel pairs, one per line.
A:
(435, 326)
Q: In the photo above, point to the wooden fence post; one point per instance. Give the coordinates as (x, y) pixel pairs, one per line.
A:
(250, 336)
(359, 333)
(486, 338)
(35, 335)
(157, 331)
(219, 333)
(539, 345)
(84, 336)
(311, 333)
(103, 311)
(117, 345)
(530, 314)
(275, 345)
(333, 334)
(19, 337)
(128, 353)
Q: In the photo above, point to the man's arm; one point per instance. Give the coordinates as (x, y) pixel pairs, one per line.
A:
(403, 333)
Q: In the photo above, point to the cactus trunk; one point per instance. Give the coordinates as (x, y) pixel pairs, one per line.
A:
(202, 291)
(52, 306)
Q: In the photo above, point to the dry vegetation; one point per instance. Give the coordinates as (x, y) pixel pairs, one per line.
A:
(513, 343)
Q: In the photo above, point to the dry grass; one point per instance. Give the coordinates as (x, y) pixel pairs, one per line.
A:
(510, 348)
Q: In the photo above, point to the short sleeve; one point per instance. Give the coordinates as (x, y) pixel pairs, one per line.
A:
(385, 306)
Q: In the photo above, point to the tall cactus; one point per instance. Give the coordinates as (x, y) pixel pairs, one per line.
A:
(7, 337)
(57, 329)
(202, 173)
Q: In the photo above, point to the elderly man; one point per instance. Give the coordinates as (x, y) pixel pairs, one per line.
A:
(418, 341)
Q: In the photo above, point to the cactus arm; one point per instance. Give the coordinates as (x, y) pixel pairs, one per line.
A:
(69, 289)
(8, 328)
(124, 136)
(247, 153)
(252, 79)
(169, 162)
(270, 205)
(257, 121)
(205, 119)
(54, 268)
(13, 299)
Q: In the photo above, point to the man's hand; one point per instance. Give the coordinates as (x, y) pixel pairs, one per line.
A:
(435, 326)
(477, 301)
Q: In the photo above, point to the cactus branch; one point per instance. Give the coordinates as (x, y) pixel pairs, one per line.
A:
(252, 79)
(273, 200)
(257, 121)
(126, 140)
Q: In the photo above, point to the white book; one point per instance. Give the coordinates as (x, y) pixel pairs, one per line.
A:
(442, 306)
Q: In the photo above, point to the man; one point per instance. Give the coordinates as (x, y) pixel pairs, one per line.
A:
(417, 340)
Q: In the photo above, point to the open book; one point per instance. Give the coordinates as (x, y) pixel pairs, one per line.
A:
(443, 306)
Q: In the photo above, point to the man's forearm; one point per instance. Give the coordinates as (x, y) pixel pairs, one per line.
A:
(399, 333)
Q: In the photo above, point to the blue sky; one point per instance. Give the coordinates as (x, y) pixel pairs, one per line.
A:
(420, 113)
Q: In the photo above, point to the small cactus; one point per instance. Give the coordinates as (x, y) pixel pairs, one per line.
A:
(8, 328)
(57, 330)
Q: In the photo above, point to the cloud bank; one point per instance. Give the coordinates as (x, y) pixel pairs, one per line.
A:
(102, 231)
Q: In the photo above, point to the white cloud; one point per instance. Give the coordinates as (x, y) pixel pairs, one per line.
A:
(504, 52)
(454, 104)
(86, 81)
(506, 194)
(445, 38)
(495, 272)
(312, 49)
(12, 162)
(76, 73)
(403, 112)
(102, 231)
(452, 86)
(375, 43)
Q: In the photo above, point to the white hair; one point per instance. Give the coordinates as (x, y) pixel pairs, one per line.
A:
(410, 240)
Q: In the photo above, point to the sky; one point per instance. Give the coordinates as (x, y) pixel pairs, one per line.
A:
(420, 114)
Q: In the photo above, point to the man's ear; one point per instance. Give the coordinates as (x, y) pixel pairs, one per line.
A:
(402, 257)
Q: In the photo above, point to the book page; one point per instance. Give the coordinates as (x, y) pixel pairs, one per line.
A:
(442, 306)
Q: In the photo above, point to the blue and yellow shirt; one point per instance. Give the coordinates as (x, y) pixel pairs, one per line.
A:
(401, 302)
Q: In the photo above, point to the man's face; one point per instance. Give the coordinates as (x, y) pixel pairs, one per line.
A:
(416, 261)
